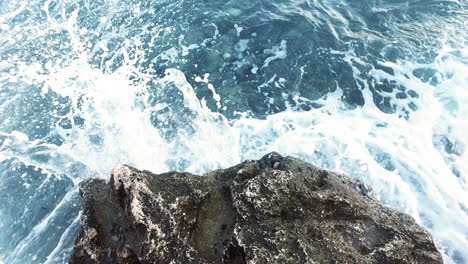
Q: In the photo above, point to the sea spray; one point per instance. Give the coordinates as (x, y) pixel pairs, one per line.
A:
(373, 90)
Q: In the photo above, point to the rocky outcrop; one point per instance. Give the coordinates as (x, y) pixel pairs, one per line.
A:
(274, 210)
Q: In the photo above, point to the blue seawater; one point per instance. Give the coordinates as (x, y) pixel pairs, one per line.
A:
(377, 89)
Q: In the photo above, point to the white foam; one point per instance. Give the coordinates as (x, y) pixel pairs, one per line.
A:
(279, 52)
(40, 227)
(212, 132)
(396, 156)
(254, 69)
(393, 155)
(57, 254)
(243, 45)
(238, 29)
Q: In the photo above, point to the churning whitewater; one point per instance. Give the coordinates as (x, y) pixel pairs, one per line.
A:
(376, 89)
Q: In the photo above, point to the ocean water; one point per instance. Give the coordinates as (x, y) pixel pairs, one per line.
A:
(377, 89)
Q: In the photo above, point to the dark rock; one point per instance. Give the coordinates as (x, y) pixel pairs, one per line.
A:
(274, 210)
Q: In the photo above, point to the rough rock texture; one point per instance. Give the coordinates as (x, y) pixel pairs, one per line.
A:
(274, 210)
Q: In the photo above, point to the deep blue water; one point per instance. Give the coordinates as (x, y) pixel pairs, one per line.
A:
(375, 89)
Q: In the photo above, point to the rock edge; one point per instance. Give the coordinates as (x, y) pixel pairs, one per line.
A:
(274, 210)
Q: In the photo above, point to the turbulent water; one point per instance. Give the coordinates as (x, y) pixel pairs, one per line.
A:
(377, 89)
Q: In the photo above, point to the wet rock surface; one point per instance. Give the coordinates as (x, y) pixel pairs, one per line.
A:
(274, 210)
